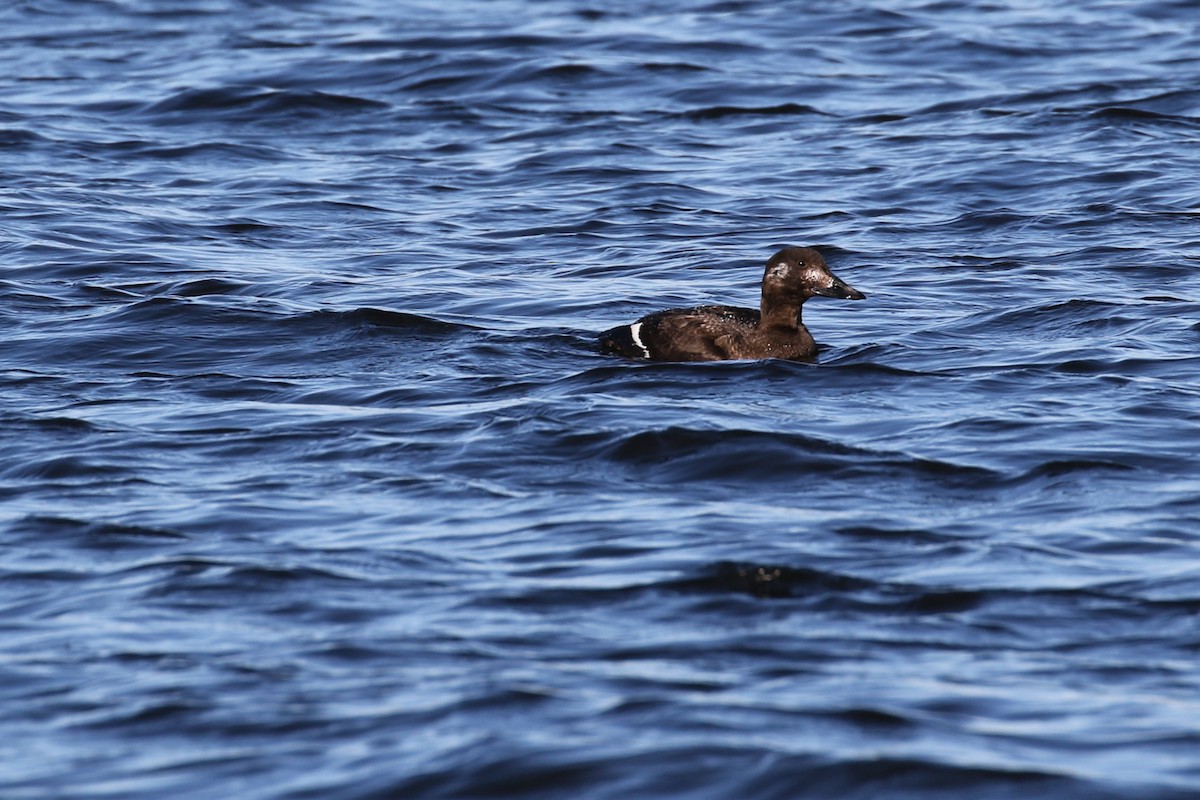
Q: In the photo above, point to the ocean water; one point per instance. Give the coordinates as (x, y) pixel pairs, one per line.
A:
(314, 484)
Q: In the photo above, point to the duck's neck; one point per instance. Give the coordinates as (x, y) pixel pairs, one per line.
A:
(780, 314)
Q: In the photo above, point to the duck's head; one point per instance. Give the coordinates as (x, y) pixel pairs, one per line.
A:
(802, 272)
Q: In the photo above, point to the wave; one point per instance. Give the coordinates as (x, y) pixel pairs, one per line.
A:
(107, 533)
(724, 111)
(731, 455)
(386, 319)
(19, 138)
(254, 104)
(499, 768)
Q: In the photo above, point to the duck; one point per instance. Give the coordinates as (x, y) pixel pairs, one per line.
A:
(720, 333)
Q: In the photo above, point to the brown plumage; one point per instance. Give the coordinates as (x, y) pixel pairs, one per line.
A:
(716, 333)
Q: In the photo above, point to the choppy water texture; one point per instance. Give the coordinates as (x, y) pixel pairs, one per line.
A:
(314, 485)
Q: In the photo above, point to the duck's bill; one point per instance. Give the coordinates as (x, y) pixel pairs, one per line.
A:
(840, 290)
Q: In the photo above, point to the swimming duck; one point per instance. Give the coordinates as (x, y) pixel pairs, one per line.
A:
(717, 333)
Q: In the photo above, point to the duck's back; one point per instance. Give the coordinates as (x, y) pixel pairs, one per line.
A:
(706, 333)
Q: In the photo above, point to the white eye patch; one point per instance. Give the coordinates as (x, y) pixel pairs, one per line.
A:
(779, 270)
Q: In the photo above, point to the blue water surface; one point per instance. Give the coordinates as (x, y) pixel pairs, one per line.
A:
(313, 483)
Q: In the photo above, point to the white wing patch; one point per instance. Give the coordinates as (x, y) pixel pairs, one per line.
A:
(635, 330)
